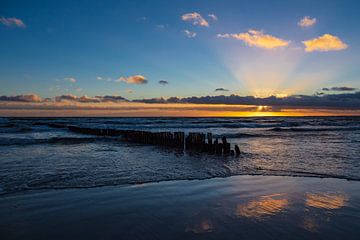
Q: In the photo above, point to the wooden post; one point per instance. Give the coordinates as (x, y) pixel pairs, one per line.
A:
(237, 150)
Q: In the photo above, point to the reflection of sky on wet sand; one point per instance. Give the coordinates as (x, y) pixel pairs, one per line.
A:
(203, 226)
(310, 224)
(263, 206)
(326, 200)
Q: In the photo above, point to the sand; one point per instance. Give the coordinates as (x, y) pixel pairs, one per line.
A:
(239, 207)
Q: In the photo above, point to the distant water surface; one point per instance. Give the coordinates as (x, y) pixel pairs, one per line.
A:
(36, 156)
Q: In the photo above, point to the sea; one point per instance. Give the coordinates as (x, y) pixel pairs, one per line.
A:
(34, 155)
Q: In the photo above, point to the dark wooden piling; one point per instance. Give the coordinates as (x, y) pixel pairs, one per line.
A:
(193, 141)
(237, 150)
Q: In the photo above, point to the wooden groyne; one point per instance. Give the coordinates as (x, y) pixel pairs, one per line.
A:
(199, 142)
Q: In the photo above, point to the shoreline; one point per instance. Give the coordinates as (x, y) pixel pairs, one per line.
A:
(50, 188)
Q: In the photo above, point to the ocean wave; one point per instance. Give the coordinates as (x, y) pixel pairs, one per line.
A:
(241, 135)
(323, 129)
(46, 184)
(53, 140)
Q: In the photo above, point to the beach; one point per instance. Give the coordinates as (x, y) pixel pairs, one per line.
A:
(238, 207)
(295, 178)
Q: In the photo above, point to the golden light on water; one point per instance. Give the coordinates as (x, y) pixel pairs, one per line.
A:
(326, 200)
(263, 206)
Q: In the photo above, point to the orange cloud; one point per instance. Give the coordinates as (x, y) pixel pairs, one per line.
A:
(136, 79)
(195, 18)
(326, 42)
(307, 22)
(255, 38)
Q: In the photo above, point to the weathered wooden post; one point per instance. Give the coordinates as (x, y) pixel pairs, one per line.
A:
(237, 150)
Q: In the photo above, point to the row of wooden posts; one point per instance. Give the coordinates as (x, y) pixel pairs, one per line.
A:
(192, 142)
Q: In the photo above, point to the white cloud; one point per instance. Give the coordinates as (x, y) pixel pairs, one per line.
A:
(195, 18)
(11, 22)
(70, 79)
(213, 16)
(255, 38)
(136, 79)
(99, 78)
(307, 22)
(160, 26)
(189, 34)
(324, 43)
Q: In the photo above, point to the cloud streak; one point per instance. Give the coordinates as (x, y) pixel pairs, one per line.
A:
(324, 43)
(255, 38)
(195, 18)
(12, 22)
(163, 82)
(340, 89)
(221, 90)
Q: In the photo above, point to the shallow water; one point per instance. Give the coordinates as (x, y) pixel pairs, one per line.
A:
(239, 207)
(36, 156)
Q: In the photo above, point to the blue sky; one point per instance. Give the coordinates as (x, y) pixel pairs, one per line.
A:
(85, 40)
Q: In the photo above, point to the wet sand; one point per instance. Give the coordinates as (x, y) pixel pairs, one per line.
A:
(239, 207)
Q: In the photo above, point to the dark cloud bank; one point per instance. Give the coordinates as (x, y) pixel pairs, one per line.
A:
(344, 100)
(340, 89)
(221, 90)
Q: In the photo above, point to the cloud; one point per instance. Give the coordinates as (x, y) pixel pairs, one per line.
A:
(195, 18)
(160, 26)
(255, 38)
(21, 98)
(129, 91)
(136, 79)
(163, 82)
(99, 78)
(213, 16)
(233, 105)
(326, 42)
(189, 34)
(345, 101)
(307, 22)
(70, 79)
(341, 89)
(86, 99)
(221, 90)
(12, 22)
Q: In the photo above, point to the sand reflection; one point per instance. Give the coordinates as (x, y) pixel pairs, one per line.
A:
(263, 206)
(310, 224)
(326, 200)
(202, 227)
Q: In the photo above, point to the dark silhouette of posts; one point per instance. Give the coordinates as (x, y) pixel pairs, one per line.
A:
(193, 141)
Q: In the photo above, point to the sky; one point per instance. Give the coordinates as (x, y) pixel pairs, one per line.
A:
(140, 53)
